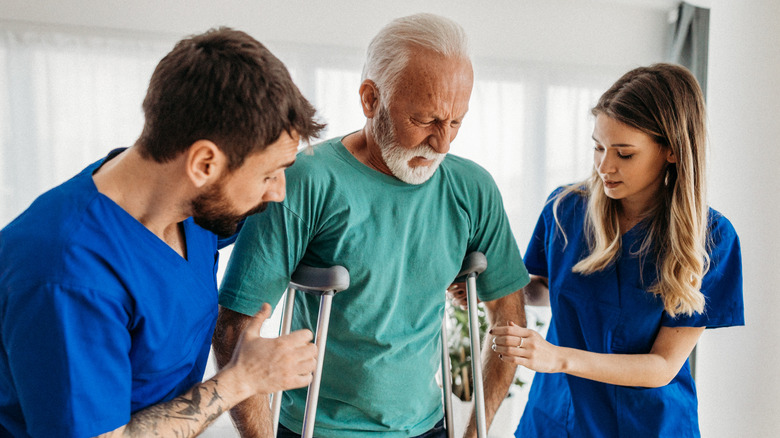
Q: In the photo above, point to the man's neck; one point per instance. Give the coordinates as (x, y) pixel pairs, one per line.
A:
(363, 147)
(149, 191)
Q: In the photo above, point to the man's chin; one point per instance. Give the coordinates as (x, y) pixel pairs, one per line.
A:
(417, 175)
(223, 227)
(226, 225)
(259, 209)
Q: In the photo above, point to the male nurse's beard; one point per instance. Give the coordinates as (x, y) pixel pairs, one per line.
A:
(397, 157)
(212, 212)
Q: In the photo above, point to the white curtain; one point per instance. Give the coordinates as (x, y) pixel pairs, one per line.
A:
(66, 99)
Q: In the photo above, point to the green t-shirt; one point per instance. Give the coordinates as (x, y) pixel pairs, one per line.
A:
(402, 245)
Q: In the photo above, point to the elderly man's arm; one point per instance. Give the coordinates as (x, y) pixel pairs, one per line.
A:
(496, 374)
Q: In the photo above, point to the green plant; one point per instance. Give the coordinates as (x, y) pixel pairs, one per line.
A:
(460, 348)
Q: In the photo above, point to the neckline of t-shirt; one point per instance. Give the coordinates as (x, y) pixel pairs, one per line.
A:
(150, 236)
(341, 150)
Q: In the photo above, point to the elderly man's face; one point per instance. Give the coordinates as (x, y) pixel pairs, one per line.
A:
(415, 127)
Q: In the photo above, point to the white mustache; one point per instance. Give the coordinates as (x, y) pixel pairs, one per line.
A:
(425, 151)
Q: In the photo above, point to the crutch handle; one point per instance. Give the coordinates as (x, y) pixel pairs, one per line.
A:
(317, 281)
(474, 262)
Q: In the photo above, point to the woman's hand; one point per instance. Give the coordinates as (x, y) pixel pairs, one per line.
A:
(526, 347)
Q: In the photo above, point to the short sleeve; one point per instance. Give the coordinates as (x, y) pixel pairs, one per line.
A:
(722, 284)
(68, 352)
(493, 236)
(536, 252)
(266, 252)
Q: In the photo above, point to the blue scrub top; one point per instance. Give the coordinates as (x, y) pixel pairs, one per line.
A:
(99, 318)
(612, 312)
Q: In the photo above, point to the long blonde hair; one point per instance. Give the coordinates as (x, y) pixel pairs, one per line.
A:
(665, 102)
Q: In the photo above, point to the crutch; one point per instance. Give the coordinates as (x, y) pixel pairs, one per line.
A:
(474, 264)
(324, 282)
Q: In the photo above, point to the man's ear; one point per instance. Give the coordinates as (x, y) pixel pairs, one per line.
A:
(205, 162)
(369, 98)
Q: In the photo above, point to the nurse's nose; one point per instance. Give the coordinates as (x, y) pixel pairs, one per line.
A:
(605, 164)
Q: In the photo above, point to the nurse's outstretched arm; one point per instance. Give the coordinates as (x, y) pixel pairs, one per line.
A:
(672, 346)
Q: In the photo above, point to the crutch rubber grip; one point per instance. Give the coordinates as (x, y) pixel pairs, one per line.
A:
(317, 281)
(475, 262)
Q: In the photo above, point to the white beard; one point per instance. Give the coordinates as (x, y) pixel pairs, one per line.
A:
(398, 157)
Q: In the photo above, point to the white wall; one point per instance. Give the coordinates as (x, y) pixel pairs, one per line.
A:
(620, 33)
(739, 369)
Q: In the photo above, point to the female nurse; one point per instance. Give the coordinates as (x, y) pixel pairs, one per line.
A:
(637, 266)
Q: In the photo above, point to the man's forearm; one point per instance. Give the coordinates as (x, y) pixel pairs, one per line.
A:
(497, 376)
(185, 416)
(252, 417)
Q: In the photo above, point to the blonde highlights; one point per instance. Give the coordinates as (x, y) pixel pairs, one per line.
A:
(665, 102)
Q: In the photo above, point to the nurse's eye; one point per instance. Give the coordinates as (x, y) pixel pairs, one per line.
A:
(624, 156)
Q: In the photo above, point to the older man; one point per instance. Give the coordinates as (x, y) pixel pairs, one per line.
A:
(390, 205)
(107, 282)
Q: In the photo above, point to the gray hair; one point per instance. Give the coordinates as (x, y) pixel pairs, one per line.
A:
(390, 50)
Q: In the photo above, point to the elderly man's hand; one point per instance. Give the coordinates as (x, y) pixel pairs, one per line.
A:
(457, 293)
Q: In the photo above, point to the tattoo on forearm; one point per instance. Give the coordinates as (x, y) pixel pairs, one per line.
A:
(184, 416)
(215, 397)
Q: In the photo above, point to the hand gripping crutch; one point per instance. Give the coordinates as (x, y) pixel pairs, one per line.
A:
(324, 282)
(474, 264)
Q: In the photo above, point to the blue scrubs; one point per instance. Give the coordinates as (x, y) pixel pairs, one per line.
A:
(612, 312)
(99, 318)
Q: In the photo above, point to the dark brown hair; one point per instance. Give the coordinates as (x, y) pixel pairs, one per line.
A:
(226, 87)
